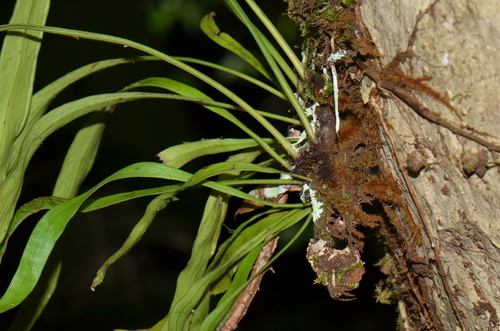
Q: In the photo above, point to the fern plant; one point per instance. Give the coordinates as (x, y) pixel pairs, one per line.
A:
(28, 119)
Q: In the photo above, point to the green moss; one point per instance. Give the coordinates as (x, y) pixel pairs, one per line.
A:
(384, 295)
(323, 278)
(342, 272)
(347, 3)
(325, 236)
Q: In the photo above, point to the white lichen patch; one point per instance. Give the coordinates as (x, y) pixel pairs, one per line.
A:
(338, 55)
(317, 206)
(311, 111)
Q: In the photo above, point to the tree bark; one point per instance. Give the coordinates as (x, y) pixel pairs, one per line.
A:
(454, 200)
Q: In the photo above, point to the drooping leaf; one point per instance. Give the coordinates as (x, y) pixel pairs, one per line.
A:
(158, 203)
(211, 29)
(32, 207)
(52, 224)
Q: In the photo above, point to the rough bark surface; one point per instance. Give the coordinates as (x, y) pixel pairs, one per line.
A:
(453, 199)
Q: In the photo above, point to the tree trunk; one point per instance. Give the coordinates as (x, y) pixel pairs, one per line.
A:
(446, 255)
(456, 203)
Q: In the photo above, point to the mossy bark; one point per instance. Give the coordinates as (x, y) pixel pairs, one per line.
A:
(454, 200)
(438, 192)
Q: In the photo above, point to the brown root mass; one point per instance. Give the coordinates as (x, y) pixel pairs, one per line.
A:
(347, 174)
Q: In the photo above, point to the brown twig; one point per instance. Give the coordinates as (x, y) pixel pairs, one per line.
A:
(246, 297)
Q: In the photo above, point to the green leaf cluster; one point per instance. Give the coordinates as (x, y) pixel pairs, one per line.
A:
(27, 119)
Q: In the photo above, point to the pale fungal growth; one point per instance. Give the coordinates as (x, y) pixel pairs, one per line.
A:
(334, 57)
(311, 111)
(284, 188)
(301, 138)
(301, 141)
(336, 98)
(317, 206)
(271, 191)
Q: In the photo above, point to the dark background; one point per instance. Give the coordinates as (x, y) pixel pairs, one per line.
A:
(138, 289)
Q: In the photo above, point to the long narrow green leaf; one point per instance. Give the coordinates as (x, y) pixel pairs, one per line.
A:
(32, 207)
(81, 155)
(257, 234)
(264, 47)
(235, 73)
(211, 29)
(225, 304)
(52, 224)
(18, 60)
(157, 204)
(68, 112)
(95, 204)
(239, 194)
(227, 167)
(121, 41)
(178, 155)
(279, 38)
(42, 98)
(282, 63)
(189, 91)
(209, 229)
